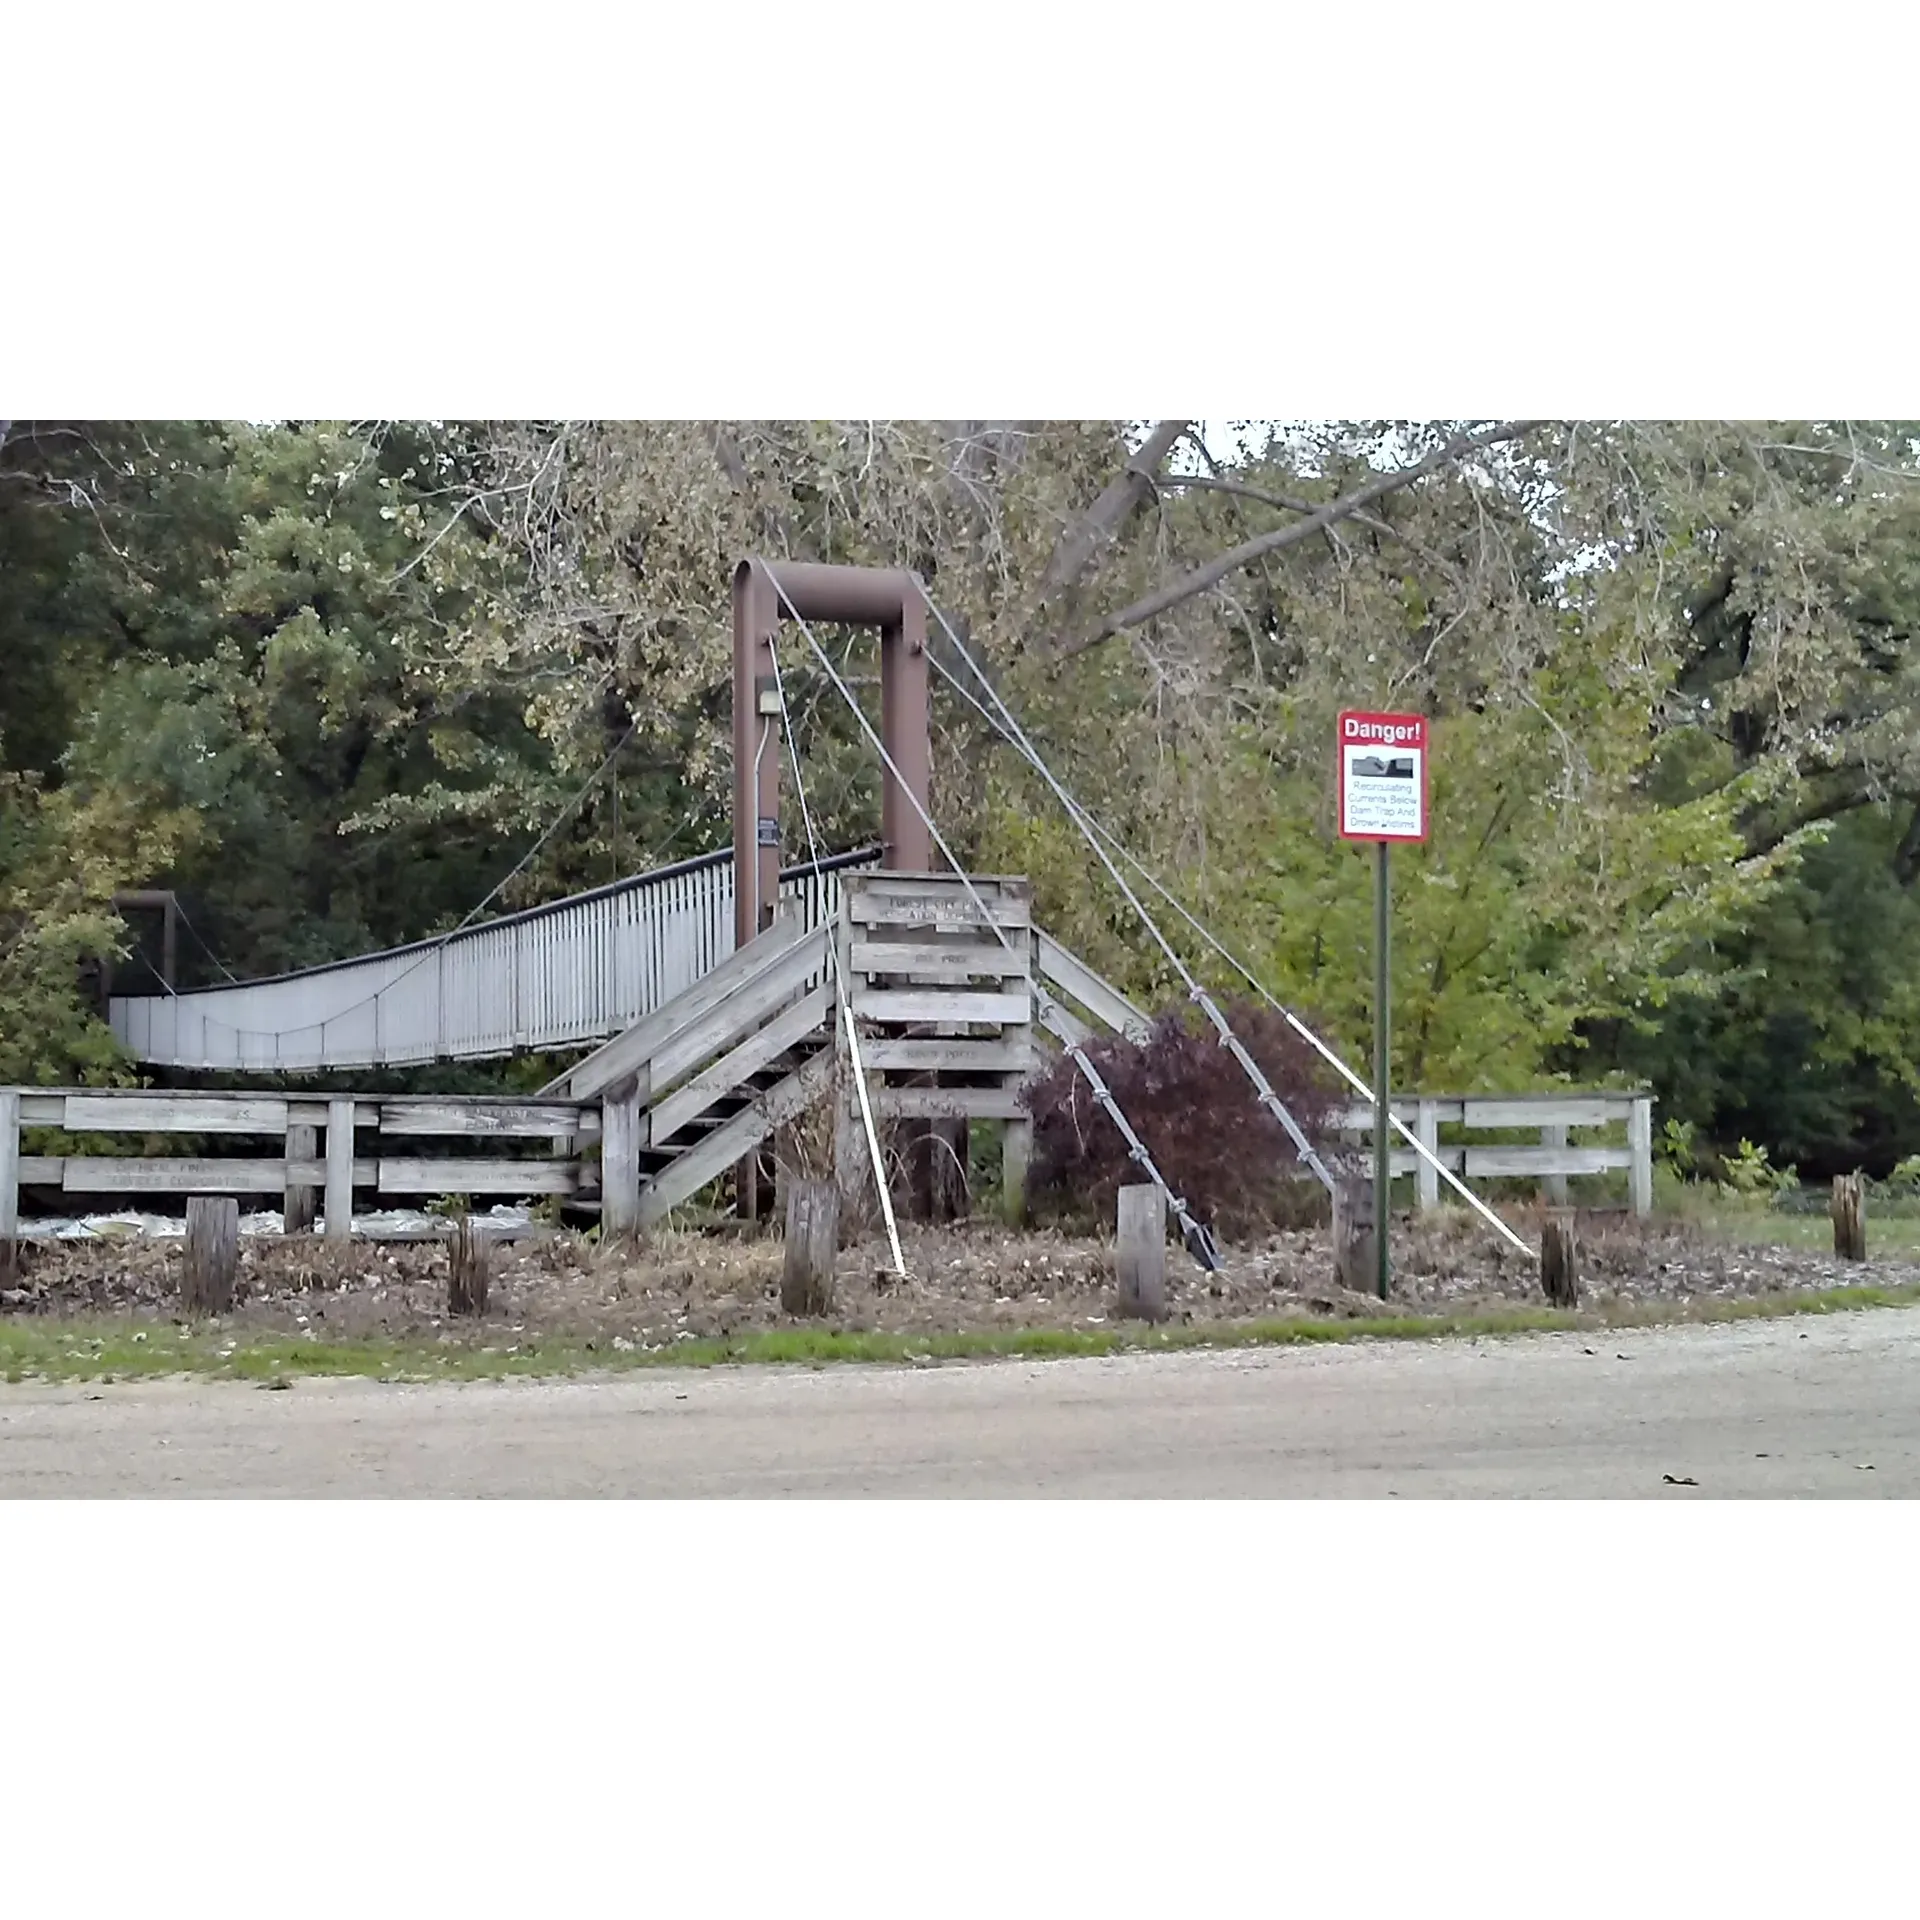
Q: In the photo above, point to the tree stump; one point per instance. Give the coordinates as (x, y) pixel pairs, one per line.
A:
(1356, 1258)
(1849, 1210)
(1140, 1253)
(1560, 1261)
(212, 1257)
(813, 1241)
(467, 1270)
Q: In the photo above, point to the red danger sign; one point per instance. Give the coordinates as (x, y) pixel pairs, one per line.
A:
(1383, 776)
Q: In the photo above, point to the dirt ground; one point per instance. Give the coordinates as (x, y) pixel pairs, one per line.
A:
(972, 1277)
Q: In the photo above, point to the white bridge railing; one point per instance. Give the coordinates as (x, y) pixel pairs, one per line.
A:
(558, 976)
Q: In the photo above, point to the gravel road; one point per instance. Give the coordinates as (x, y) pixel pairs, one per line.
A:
(1827, 1406)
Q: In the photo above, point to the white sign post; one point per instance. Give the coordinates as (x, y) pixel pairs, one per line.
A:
(1383, 798)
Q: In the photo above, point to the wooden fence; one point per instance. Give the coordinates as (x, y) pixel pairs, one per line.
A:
(1553, 1115)
(325, 1149)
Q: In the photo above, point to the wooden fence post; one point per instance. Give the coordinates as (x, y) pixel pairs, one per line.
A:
(339, 1174)
(302, 1203)
(1849, 1210)
(1016, 1156)
(9, 1183)
(1640, 1142)
(620, 1161)
(212, 1256)
(1560, 1261)
(813, 1242)
(1140, 1253)
(466, 1269)
(1426, 1127)
(1356, 1263)
(1555, 1136)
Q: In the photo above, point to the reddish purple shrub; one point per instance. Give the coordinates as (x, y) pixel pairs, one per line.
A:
(1196, 1112)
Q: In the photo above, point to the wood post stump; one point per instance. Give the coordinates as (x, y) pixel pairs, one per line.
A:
(1016, 1156)
(813, 1241)
(1356, 1261)
(1560, 1261)
(1849, 1210)
(1140, 1253)
(467, 1269)
(302, 1203)
(212, 1256)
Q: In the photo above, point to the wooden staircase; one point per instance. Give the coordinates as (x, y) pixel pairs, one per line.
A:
(692, 1089)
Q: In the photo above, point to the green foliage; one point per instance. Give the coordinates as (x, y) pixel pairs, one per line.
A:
(1749, 1170)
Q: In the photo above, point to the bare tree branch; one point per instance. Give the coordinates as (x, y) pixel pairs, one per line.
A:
(1109, 513)
(1372, 522)
(1217, 569)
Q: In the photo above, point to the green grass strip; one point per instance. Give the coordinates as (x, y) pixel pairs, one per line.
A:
(106, 1349)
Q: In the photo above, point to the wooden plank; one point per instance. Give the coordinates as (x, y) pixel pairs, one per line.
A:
(737, 1016)
(41, 1170)
(1548, 1110)
(472, 1174)
(885, 882)
(529, 1119)
(1066, 1026)
(40, 1109)
(1357, 1115)
(726, 1073)
(922, 959)
(9, 1171)
(1493, 1163)
(173, 1113)
(947, 1103)
(722, 1148)
(627, 1053)
(904, 1008)
(90, 1173)
(883, 1054)
(953, 911)
(1072, 976)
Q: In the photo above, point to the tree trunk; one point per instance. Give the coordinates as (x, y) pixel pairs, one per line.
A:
(813, 1241)
(1140, 1253)
(467, 1270)
(212, 1256)
(1560, 1261)
(1849, 1210)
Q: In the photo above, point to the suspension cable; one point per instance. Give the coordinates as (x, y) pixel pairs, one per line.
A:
(1224, 952)
(1199, 1240)
(1262, 1087)
(841, 997)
